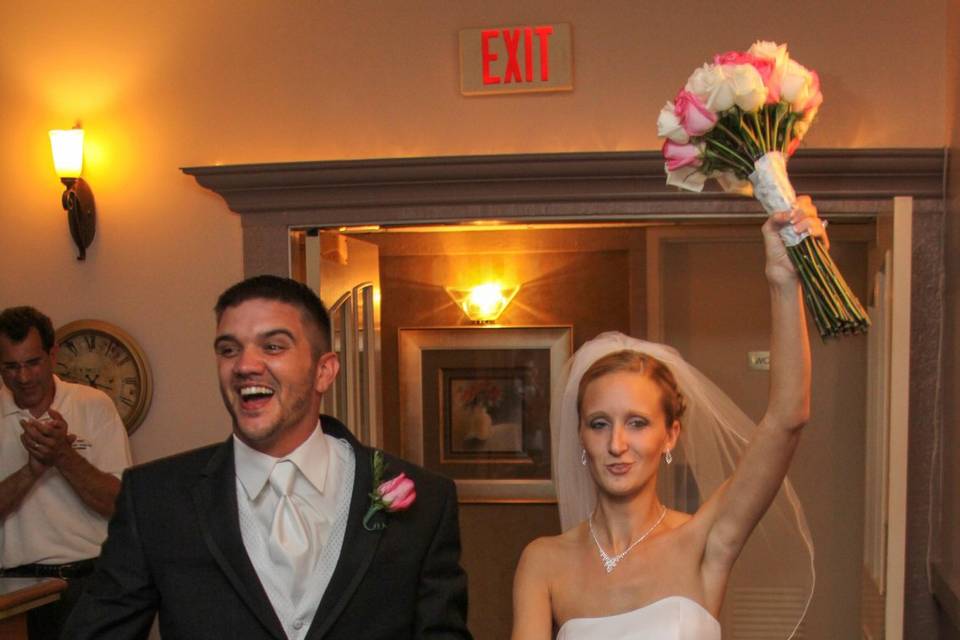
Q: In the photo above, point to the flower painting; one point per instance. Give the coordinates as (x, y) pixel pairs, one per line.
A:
(475, 405)
(486, 413)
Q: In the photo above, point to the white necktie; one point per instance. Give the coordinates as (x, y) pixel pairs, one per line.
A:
(289, 543)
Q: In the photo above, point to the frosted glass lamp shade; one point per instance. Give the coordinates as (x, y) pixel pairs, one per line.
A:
(67, 146)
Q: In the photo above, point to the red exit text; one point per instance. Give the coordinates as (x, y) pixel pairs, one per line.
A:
(511, 41)
(515, 59)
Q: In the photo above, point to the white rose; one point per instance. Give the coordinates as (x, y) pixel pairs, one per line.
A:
(796, 85)
(668, 125)
(709, 84)
(770, 51)
(747, 86)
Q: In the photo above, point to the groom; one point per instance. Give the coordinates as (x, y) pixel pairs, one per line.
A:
(264, 535)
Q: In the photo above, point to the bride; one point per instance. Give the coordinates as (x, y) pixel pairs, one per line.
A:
(627, 566)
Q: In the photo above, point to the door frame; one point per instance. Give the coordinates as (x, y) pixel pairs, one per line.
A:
(273, 198)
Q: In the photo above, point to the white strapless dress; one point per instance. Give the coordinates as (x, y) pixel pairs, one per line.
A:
(672, 618)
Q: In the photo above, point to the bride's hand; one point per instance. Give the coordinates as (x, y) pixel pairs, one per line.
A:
(803, 218)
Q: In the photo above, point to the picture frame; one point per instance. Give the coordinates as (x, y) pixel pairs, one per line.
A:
(475, 406)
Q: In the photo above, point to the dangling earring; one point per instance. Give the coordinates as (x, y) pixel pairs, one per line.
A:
(583, 456)
(668, 456)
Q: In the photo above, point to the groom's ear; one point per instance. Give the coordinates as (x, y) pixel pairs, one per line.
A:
(328, 366)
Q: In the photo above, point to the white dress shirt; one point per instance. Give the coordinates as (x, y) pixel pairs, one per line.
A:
(322, 486)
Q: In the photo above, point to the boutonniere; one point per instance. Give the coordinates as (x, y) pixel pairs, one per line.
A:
(396, 494)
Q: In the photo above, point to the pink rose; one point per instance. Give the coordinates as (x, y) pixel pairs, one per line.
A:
(681, 155)
(776, 55)
(773, 88)
(693, 115)
(817, 98)
(763, 66)
(393, 495)
(733, 57)
(398, 493)
(770, 77)
(792, 146)
(770, 51)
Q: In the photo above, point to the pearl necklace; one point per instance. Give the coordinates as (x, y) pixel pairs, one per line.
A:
(609, 562)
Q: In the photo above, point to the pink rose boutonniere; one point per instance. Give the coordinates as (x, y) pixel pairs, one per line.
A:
(396, 494)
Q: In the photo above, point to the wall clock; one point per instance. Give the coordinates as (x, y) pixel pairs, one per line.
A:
(101, 355)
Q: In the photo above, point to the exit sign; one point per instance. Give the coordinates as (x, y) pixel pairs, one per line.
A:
(516, 59)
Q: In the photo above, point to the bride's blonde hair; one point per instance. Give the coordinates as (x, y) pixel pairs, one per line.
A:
(674, 404)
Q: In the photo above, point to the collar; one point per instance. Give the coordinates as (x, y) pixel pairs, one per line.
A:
(8, 406)
(253, 468)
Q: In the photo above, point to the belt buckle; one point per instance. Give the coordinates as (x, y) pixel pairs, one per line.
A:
(63, 571)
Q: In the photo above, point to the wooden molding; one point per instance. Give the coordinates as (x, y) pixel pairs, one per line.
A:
(623, 181)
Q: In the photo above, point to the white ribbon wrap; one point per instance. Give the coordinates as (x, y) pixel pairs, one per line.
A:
(771, 186)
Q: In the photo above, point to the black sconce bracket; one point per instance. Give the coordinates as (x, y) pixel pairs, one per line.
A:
(81, 213)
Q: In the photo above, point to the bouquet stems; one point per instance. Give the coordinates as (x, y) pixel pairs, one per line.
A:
(835, 308)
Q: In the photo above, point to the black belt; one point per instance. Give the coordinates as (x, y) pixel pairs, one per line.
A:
(68, 571)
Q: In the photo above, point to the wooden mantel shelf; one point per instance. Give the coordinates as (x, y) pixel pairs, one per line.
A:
(624, 181)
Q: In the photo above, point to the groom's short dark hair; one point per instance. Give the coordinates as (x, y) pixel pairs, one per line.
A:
(287, 290)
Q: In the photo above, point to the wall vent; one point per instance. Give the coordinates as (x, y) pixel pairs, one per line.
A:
(766, 614)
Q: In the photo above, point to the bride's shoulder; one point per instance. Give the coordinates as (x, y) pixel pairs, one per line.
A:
(677, 519)
(550, 546)
(542, 557)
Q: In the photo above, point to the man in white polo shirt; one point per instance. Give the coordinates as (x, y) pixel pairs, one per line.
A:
(62, 450)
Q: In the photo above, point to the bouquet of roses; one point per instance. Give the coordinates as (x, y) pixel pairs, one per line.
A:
(737, 121)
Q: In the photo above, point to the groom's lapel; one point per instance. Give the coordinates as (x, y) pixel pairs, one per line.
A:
(359, 545)
(215, 497)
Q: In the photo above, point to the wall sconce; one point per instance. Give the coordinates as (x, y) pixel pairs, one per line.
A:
(77, 199)
(483, 303)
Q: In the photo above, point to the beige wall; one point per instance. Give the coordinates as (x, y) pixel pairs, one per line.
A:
(159, 86)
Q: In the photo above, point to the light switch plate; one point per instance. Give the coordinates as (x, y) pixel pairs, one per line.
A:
(759, 360)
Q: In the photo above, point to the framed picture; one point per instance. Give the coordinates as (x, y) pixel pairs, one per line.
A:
(475, 406)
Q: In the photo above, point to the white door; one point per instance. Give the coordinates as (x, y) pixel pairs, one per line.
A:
(886, 530)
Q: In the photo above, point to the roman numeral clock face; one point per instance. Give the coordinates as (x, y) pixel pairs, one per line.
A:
(104, 357)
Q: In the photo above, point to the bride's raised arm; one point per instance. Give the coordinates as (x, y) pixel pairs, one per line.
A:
(742, 500)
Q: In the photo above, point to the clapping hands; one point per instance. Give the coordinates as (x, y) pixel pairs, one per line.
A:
(46, 440)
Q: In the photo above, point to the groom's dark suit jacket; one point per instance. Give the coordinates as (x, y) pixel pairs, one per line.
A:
(174, 547)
